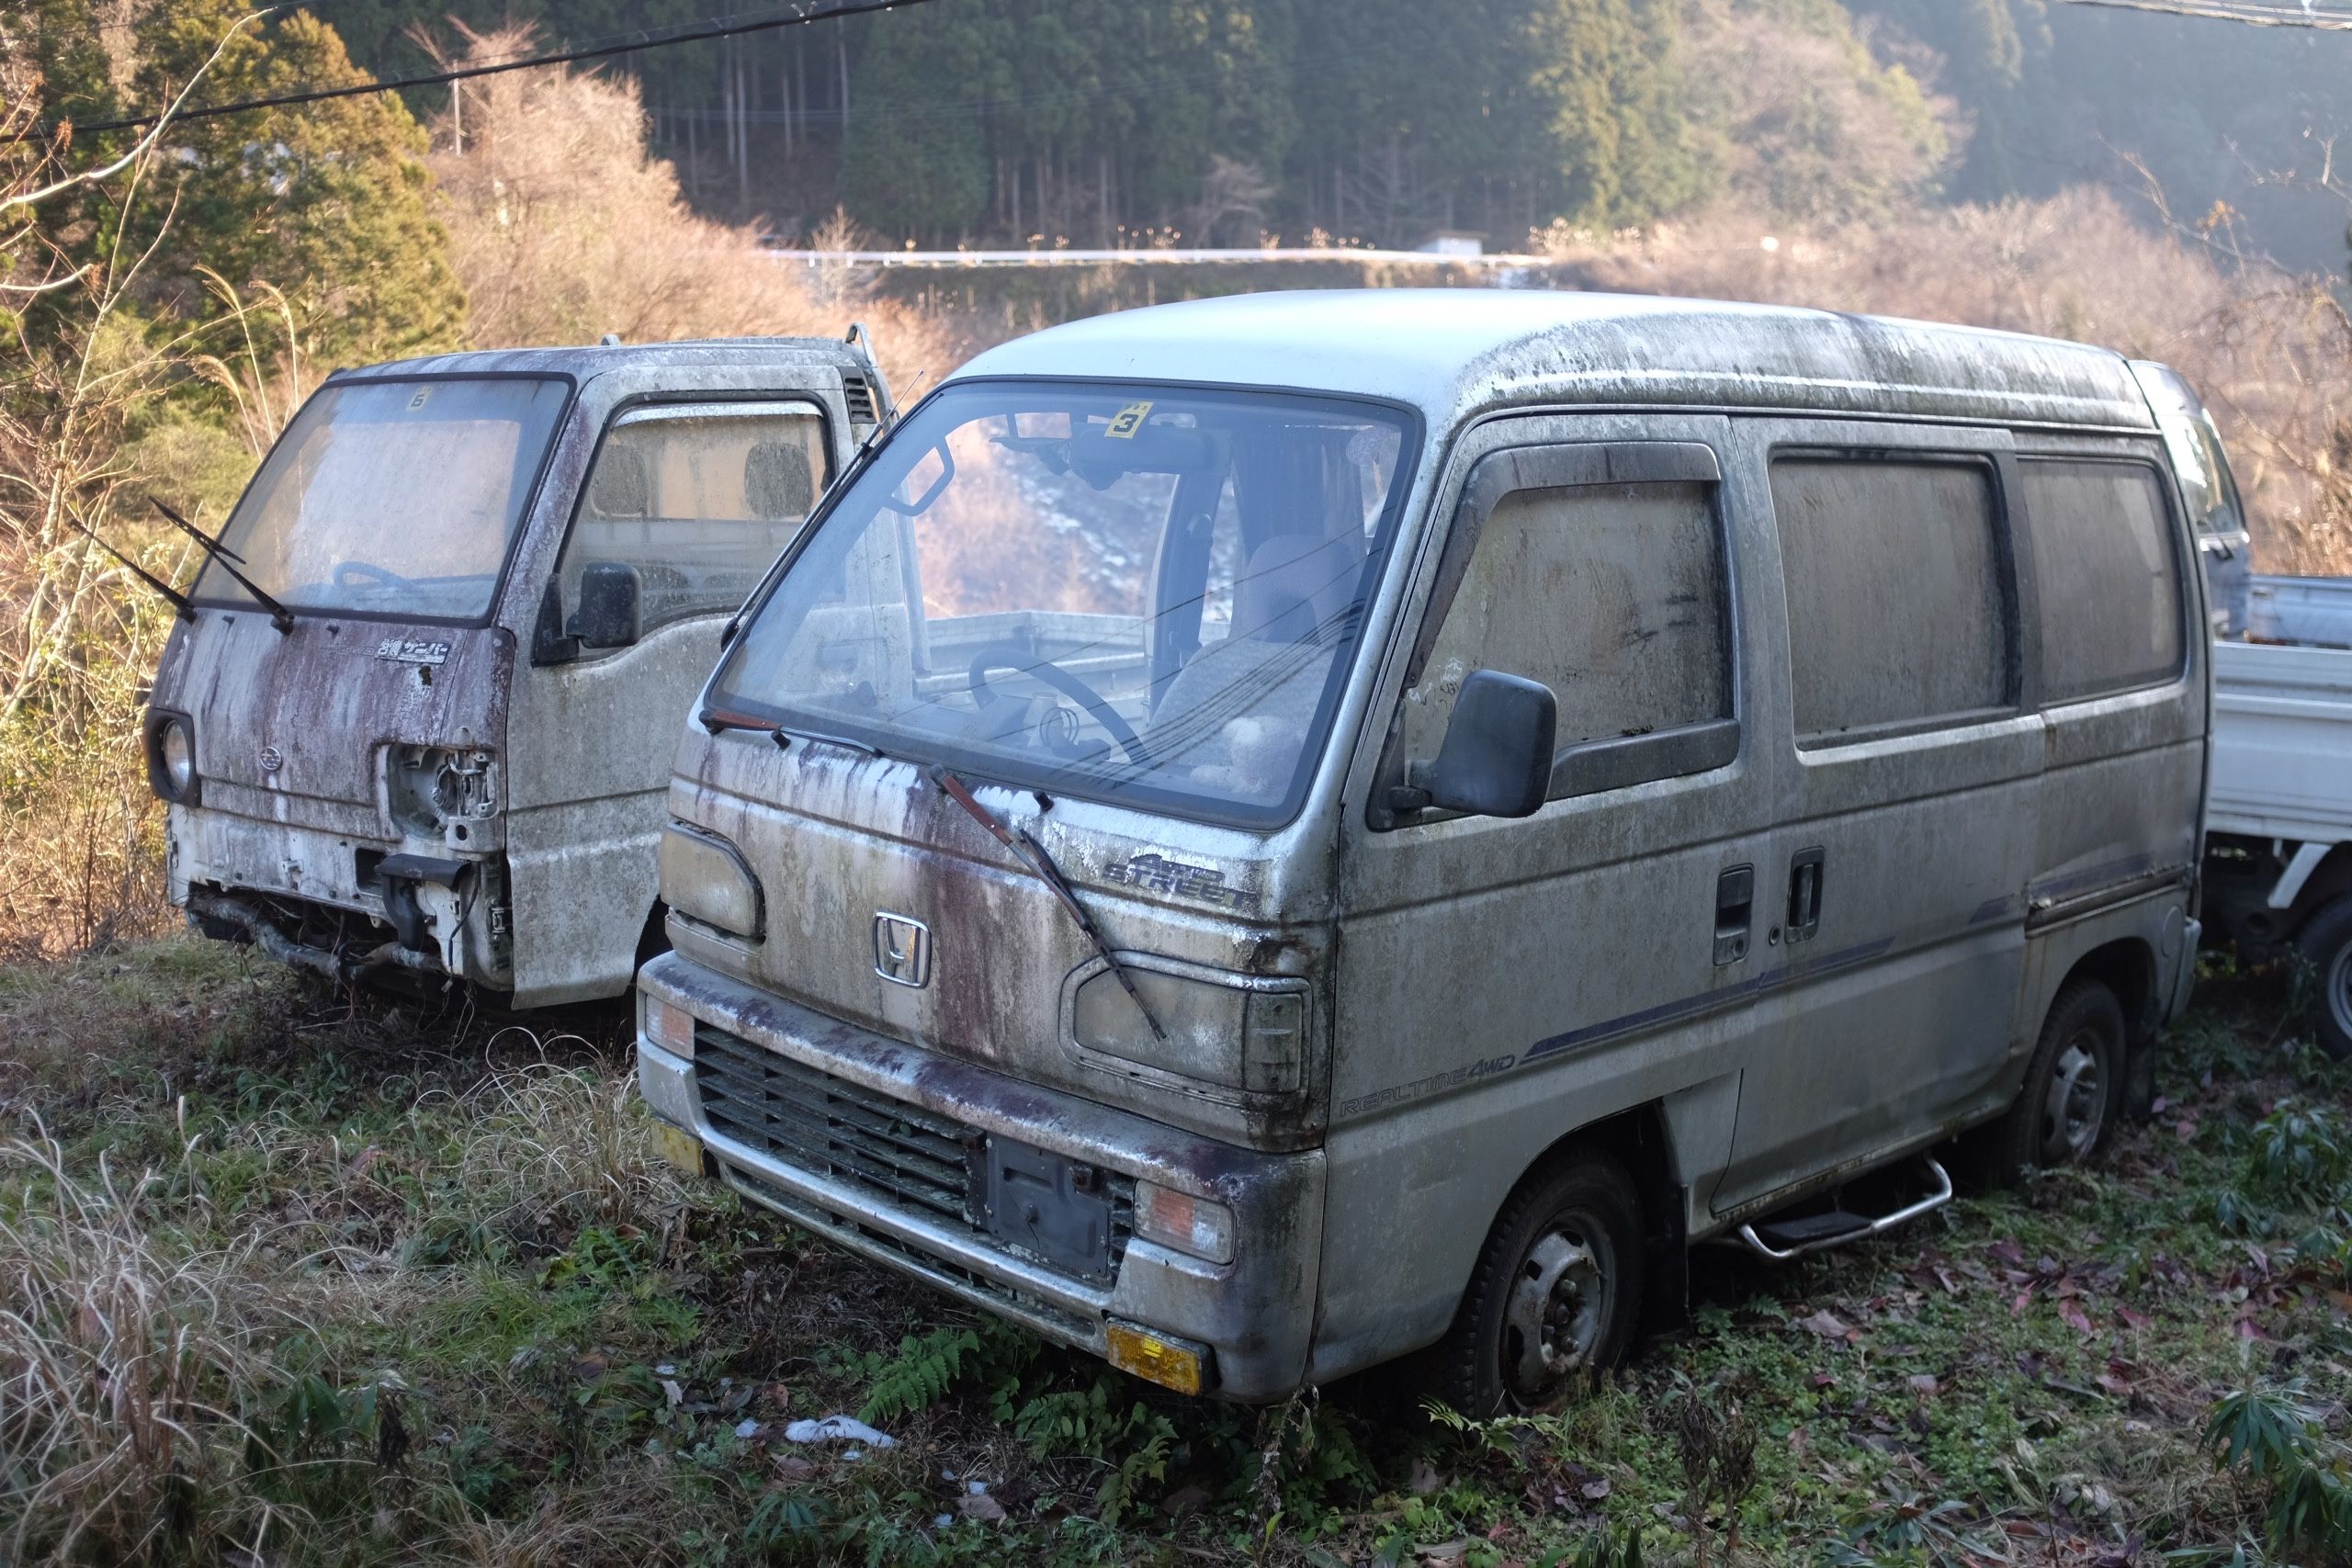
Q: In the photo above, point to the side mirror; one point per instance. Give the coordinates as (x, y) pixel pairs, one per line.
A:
(610, 604)
(1495, 760)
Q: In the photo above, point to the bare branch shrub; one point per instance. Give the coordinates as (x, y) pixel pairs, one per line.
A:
(2272, 353)
(80, 850)
(563, 227)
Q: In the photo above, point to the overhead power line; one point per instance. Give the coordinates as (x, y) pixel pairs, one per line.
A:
(654, 37)
(2257, 13)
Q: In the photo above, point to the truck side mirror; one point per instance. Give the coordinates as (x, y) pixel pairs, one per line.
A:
(1495, 760)
(611, 600)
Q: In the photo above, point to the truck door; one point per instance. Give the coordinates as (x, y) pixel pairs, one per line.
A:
(684, 507)
(1893, 888)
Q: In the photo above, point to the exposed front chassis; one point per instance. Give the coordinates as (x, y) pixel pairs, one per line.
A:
(353, 911)
(1253, 1316)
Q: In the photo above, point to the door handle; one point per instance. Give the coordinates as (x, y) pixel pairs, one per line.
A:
(1735, 913)
(1805, 895)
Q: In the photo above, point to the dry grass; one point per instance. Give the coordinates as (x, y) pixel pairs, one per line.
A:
(2271, 353)
(127, 1371)
(564, 228)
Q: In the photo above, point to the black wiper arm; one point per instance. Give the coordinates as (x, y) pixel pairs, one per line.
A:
(786, 734)
(1032, 854)
(717, 720)
(279, 616)
(181, 603)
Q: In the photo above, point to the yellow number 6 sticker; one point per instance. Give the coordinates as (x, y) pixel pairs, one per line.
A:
(1127, 421)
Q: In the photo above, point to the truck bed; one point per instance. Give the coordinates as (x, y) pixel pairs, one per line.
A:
(2282, 741)
(2310, 612)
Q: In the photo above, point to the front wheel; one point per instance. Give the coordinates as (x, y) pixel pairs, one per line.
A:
(1556, 1294)
(2326, 941)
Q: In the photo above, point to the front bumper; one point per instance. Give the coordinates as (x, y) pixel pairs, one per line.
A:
(317, 899)
(1254, 1316)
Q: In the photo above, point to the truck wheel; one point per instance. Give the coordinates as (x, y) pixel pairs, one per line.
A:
(2066, 1109)
(2326, 941)
(1555, 1296)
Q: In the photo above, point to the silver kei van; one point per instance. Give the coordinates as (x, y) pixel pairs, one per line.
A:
(416, 724)
(1261, 835)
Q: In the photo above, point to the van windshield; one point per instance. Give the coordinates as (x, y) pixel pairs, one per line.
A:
(1146, 594)
(392, 498)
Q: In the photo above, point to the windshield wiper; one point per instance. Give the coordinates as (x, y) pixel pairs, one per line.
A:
(1032, 854)
(718, 720)
(279, 616)
(786, 734)
(181, 603)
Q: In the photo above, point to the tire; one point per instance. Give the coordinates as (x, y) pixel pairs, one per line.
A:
(2326, 941)
(1566, 1254)
(2072, 1087)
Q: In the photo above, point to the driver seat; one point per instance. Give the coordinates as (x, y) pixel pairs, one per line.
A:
(1291, 609)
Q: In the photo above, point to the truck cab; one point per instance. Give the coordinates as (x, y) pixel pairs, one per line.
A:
(2224, 549)
(417, 722)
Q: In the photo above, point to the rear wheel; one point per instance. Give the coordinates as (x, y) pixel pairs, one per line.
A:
(2067, 1107)
(1556, 1294)
(2326, 941)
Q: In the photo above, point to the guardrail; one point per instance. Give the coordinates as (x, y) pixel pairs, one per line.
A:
(1153, 257)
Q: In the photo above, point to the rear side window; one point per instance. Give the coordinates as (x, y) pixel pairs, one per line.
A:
(1612, 595)
(1897, 592)
(2108, 576)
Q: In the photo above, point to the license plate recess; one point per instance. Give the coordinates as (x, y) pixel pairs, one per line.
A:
(1049, 1205)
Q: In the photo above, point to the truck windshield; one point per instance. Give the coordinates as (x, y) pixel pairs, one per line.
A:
(2197, 455)
(392, 498)
(1146, 594)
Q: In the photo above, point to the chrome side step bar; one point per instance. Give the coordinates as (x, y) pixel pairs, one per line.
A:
(1862, 1228)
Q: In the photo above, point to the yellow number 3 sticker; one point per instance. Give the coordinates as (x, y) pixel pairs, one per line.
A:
(1127, 421)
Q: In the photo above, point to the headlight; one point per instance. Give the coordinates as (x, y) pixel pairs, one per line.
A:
(705, 879)
(179, 756)
(171, 758)
(1231, 1033)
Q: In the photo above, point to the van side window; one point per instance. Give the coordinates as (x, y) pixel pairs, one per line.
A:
(2109, 577)
(1899, 605)
(700, 499)
(1616, 596)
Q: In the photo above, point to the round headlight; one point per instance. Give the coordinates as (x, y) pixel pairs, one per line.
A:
(179, 756)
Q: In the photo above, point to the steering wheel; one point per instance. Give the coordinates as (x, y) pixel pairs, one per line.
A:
(367, 571)
(1013, 656)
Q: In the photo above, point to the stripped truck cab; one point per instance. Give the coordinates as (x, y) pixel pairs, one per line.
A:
(1262, 836)
(416, 723)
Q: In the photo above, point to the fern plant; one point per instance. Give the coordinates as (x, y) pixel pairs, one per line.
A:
(919, 1375)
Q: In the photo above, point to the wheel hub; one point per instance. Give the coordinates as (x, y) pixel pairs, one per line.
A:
(2070, 1114)
(1552, 1320)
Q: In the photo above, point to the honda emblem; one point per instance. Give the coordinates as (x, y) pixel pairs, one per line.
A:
(902, 951)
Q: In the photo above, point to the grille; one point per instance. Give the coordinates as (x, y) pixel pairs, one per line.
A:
(900, 1155)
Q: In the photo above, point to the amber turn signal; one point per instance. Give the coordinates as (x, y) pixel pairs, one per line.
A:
(1170, 1363)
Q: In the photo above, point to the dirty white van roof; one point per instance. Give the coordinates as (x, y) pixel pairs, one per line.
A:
(1454, 352)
